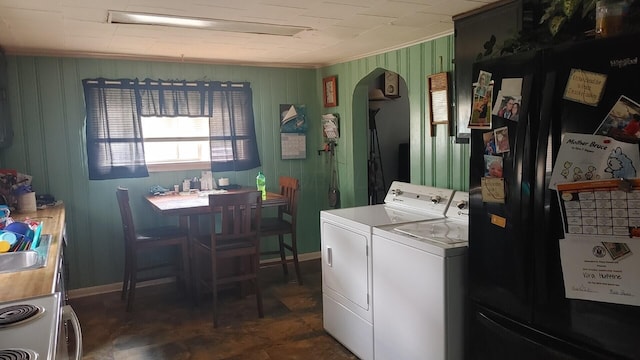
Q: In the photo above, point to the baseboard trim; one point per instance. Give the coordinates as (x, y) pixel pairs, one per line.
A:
(108, 288)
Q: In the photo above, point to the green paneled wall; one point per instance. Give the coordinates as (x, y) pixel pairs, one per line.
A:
(47, 108)
(47, 111)
(435, 160)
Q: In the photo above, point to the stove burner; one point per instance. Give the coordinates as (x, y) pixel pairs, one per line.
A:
(15, 314)
(17, 354)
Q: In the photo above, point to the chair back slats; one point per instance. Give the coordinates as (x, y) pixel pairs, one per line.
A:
(289, 187)
(240, 214)
(234, 236)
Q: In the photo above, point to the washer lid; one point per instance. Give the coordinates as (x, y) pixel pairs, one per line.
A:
(377, 215)
(445, 232)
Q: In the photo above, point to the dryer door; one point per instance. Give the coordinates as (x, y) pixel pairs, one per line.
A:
(345, 263)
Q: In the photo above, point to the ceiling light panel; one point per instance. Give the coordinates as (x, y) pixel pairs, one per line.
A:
(132, 18)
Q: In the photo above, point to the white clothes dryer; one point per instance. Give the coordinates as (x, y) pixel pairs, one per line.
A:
(347, 263)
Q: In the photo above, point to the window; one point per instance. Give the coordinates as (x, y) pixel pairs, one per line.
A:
(169, 141)
(134, 124)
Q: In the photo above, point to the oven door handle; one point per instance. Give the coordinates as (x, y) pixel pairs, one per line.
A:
(70, 315)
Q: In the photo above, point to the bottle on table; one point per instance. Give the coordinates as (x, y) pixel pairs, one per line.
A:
(261, 183)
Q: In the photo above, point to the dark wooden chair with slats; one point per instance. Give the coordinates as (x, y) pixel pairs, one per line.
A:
(234, 241)
(145, 240)
(284, 224)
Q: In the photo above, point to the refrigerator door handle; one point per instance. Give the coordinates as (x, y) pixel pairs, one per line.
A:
(542, 194)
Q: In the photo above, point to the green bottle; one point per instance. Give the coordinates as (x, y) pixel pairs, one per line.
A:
(261, 183)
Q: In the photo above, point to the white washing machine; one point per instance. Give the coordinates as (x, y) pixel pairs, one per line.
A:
(419, 282)
(347, 263)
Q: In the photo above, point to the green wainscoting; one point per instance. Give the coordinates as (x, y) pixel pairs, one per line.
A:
(47, 111)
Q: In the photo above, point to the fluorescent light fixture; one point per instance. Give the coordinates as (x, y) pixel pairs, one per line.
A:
(121, 17)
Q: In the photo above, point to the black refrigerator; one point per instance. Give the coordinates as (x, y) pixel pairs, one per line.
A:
(517, 303)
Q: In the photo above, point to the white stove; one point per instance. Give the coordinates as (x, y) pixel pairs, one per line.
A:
(29, 328)
(346, 236)
(419, 282)
(35, 329)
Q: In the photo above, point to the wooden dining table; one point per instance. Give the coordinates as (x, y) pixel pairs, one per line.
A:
(189, 206)
(197, 202)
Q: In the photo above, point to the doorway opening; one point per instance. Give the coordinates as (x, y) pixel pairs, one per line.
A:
(387, 130)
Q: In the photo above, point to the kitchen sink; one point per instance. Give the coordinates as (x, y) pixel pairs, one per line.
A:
(28, 259)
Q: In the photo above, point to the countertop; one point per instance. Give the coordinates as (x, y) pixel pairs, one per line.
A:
(42, 281)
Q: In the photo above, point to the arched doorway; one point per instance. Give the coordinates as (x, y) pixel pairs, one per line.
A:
(381, 137)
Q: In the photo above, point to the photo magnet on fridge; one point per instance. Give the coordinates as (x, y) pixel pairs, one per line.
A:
(502, 139)
(484, 80)
(489, 143)
(622, 122)
(493, 166)
(481, 112)
(507, 106)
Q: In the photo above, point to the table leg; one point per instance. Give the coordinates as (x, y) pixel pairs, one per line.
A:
(192, 224)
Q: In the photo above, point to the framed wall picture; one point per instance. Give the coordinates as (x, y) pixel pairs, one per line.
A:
(439, 103)
(330, 91)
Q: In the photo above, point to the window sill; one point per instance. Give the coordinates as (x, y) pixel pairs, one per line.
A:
(200, 165)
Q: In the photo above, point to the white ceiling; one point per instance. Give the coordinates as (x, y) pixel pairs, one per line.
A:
(342, 30)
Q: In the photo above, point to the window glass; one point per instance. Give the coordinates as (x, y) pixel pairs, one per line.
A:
(175, 139)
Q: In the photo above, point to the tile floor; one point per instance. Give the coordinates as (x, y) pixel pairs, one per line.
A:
(165, 325)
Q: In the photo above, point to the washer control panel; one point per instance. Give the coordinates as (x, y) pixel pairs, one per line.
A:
(419, 197)
(459, 208)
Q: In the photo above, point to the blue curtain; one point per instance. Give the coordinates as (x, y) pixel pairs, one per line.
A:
(231, 128)
(174, 98)
(114, 132)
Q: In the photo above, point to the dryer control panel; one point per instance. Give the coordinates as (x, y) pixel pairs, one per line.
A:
(418, 198)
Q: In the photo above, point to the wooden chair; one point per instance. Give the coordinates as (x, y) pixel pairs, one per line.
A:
(138, 241)
(234, 238)
(282, 225)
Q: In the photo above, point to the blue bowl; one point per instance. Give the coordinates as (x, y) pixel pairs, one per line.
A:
(9, 237)
(20, 228)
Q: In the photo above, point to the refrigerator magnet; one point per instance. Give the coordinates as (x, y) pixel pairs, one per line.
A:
(507, 106)
(481, 111)
(484, 80)
(489, 143)
(498, 220)
(585, 87)
(493, 166)
(502, 139)
(492, 190)
(622, 122)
